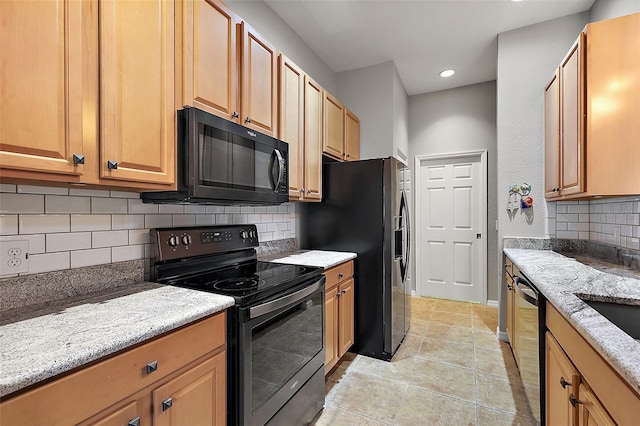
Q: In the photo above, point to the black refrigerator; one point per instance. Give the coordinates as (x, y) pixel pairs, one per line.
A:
(364, 210)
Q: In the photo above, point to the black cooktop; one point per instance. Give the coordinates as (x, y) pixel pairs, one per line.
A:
(250, 281)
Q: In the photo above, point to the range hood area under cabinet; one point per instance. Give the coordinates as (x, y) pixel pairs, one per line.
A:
(591, 114)
(88, 93)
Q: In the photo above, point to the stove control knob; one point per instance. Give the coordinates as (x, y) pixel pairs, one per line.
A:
(244, 234)
(186, 239)
(253, 234)
(173, 241)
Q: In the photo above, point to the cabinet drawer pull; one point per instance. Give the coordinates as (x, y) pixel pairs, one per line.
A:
(167, 403)
(564, 383)
(509, 287)
(112, 165)
(134, 422)
(151, 367)
(574, 401)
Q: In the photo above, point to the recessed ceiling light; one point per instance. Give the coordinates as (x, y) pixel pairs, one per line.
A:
(447, 73)
(516, 0)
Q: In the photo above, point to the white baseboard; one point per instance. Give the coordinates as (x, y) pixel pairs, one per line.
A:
(493, 303)
(502, 335)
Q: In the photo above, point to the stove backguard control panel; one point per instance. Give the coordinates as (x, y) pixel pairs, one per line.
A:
(179, 243)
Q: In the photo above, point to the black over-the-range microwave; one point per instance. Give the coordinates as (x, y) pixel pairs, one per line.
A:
(221, 162)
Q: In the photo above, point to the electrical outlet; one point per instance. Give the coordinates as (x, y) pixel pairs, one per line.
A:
(14, 257)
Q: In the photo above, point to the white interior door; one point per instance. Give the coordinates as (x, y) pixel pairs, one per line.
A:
(451, 227)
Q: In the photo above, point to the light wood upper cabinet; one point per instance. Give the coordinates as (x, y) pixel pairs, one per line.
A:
(572, 120)
(552, 137)
(599, 99)
(291, 123)
(137, 91)
(208, 51)
(333, 124)
(613, 106)
(97, 88)
(259, 82)
(312, 139)
(41, 71)
(352, 136)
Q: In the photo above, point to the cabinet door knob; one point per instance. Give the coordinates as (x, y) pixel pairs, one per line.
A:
(235, 114)
(343, 292)
(308, 191)
(112, 165)
(302, 191)
(134, 422)
(511, 288)
(340, 275)
(78, 159)
(167, 403)
(247, 120)
(573, 400)
(151, 367)
(564, 383)
(338, 294)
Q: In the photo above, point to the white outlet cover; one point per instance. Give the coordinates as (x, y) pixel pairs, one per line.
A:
(14, 257)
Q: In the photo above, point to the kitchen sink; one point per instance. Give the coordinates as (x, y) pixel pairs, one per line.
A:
(625, 317)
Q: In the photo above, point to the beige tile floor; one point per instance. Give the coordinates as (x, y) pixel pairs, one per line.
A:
(450, 370)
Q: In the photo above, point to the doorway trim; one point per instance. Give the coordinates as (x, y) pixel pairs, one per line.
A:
(482, 156)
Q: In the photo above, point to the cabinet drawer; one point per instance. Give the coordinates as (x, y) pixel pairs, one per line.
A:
(81, 394)
(339, 273)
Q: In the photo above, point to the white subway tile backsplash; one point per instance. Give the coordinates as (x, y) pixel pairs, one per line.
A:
(5, 187)
(583, 235)
(30, 189)
(68, 241)
(21, 203)
(108, 205)
(82, 258)
(633, 219)
(120, 254)
(85, 227)
(184, 220)
(205, 219)
(127, 221)
(88, 193)
(568, 234)
(90, 222)
(109, 238)
(171, 208)
(123, 194)
(43, 224)
(579, 208)
(578, 226)
(158, 220)
(551, 209)
(139, 236)
(67, 204)
(561, 208)
(626, 231)
(137, 206)
(567, 217)
(8, 224)
(48, 262)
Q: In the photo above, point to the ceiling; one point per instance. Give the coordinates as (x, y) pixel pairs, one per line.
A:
(422, 37)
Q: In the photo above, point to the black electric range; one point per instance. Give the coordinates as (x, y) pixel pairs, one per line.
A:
(275, 331)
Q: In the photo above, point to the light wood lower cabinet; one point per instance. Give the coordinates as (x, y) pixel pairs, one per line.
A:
(581, 387)
(339, 313)
(175, 379)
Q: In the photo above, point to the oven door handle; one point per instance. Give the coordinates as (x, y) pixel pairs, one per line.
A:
(526, 291)
(276, 304)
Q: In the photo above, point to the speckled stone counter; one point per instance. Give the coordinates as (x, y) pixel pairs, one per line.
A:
(562, 279)
(43, 346)
(320, 258)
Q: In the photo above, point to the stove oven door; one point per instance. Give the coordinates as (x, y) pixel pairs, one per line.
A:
(283, 341)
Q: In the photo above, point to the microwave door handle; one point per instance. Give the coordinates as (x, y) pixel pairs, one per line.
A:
(280, 159)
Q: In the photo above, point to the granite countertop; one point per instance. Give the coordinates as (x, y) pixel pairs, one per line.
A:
(320, 258)
(61, 337)
(562, 279)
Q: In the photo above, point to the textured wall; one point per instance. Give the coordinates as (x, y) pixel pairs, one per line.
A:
(455, 120)
(70, 228)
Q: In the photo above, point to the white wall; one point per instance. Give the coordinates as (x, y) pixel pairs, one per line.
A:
(400, 118)
(270, 26)
(607, 9)
(456, 120)
(368, 92)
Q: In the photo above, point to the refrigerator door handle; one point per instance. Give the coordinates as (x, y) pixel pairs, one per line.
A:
(405, 231)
